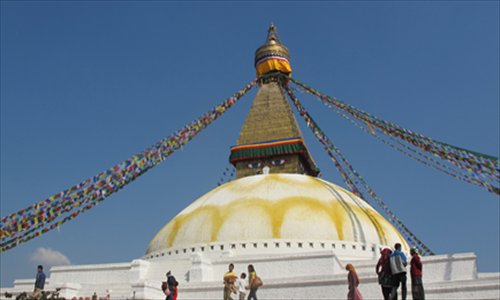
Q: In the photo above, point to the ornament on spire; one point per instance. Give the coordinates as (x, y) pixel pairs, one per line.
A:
(273, 56)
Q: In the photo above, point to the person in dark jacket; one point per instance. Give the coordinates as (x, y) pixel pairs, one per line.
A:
(417, 287)
(39, 282)
(172, 286)
(383, 270)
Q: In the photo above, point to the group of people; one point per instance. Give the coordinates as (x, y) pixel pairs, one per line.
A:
(236, 285)
(391, 271)
(390, 268)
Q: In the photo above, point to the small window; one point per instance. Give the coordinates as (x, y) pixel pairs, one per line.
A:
(233, 246)
(373, 249)
(163, 254)
(333, 246)
(311, 245)
(212, 247)
(255, 245)
(176, 251)
(276, 245)
(300, 245)
(343, 246)
(169, 252)
(243, 245)
(322, 245)
(354, 247)
(222, 247)
(265, 245)
(184, 250)
(202, 249)
(288, 245)
(192, 249)
(364, 248)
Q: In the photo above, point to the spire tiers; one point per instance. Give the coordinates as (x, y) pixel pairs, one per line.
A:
(273, 56)
(270, 140)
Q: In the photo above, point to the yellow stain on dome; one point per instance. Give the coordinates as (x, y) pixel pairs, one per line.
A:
(338, 213)
(209, 212)
(215, 217)
(374, 217)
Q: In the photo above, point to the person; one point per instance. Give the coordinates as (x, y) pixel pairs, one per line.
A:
(229, 279)
(165, 289)
(240, 285)
(176, 291)
(252, 283)
(398, 269)
(383, 270)
(39, 282)
(172, 285)
(417, 287)
(353, 281)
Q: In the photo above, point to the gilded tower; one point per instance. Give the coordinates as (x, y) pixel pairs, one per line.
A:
(270, 140)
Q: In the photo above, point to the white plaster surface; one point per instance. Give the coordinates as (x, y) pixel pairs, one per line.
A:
(293, 274)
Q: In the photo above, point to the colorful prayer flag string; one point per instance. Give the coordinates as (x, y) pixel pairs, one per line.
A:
(405, 149)
(352, 177)
(482, 170)
(43, 216)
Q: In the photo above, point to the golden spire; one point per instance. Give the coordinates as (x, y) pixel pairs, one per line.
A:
(270, 140)
(273, 56)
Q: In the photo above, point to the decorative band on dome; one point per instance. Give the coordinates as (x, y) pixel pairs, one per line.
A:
(278, 52)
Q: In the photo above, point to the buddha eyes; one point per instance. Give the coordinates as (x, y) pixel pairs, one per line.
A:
(254, 165)
(275, 162)
(278, 162)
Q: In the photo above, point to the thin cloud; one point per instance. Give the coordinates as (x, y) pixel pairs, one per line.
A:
(49, 258)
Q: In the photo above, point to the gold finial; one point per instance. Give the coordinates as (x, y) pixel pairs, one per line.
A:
(273, 55)
(272, 35)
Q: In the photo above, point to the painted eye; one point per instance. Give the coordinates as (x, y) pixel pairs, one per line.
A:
(278, 162)
(254, 165)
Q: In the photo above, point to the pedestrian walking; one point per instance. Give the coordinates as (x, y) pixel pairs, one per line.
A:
(383, 270)
(172, 285)
(240, 286)
(398, 270)
(353, 282)
(229, 280)
(254, 282)
(417, 287)
(39, 282)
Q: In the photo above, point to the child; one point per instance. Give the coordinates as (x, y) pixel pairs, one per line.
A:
(240, 285)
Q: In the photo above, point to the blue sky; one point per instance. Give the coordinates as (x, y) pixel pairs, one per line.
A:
(84, 85)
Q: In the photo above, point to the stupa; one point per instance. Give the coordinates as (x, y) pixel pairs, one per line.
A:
(298, 230)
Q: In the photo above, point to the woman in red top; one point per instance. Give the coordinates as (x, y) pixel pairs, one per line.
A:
(417, 287)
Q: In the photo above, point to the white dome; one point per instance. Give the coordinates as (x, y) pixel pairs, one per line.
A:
(276, 206)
